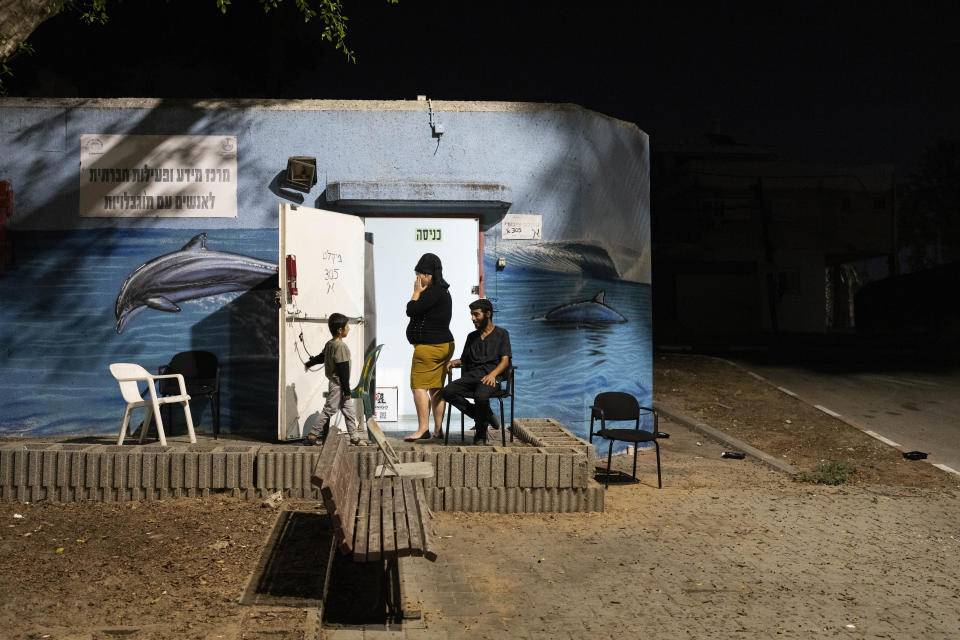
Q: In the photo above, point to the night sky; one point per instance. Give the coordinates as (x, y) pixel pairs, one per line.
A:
(818, 81)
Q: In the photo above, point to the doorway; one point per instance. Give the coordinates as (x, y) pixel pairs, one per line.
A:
(397, 245)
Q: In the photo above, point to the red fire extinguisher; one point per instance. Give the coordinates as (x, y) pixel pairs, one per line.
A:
(292, 274)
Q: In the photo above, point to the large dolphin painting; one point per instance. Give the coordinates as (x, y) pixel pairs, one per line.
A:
(592, 311)
(190, 273)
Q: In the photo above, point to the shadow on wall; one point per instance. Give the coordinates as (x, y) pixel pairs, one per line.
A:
(247, 329)
(64, 279)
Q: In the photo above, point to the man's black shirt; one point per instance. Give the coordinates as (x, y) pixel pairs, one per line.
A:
(483, 355)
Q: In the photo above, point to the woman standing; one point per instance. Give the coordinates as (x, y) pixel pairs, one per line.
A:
(428, 331)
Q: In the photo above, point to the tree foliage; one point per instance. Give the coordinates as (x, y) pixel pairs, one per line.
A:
(929, 219)
(20, 18)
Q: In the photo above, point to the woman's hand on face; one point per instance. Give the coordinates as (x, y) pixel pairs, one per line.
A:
(418, 286)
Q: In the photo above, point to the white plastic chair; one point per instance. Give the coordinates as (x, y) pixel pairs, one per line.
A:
(129, 375)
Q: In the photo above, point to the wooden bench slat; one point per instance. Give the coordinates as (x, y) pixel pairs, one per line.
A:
(373, 547)
(351, 496)
(423, 513)
(333, 494)
(400, 518)
(363, 524)
(415, 524)
(327, 457)
(386, 505)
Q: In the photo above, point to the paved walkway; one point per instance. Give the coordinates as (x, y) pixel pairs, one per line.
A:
(727, 549)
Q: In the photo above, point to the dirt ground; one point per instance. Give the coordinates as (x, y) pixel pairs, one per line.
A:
(725, 396)
(177, 568)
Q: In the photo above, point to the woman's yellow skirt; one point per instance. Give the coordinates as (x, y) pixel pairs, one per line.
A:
(429, 365)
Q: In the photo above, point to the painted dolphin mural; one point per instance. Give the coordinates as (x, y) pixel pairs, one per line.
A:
(190, 273)
(592, 311)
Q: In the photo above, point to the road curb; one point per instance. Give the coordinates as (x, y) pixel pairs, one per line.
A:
(716, 434)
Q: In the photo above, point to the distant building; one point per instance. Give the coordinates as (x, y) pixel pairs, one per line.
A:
(746, 243)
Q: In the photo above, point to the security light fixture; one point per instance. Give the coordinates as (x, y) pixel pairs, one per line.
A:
(301, 173)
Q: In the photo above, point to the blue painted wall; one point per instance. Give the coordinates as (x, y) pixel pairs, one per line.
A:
(586, 174)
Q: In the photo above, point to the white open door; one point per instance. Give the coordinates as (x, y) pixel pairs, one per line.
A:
(329, 250)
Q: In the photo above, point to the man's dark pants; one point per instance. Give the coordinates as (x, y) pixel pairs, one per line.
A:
(470, 384)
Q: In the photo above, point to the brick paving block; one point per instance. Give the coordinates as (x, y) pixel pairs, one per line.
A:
(484, 461)
(6, 467)
(552, 472)
(148, 475)
(511, 495)
(177, 466)
(218, 470)
(498, 469)
(539, 478)
(526, 470)
(105, 476)
(470, 469)
(487, 500)
(191, 470)
(118, 480)
(231, 471)
(511, 472)
(565, 474)
(456, 468)
(431, 457)
(204, 470)
(289, 469)
(443, 469)
(247, 478)
(34, 468)
(164, 473)
(454, 498)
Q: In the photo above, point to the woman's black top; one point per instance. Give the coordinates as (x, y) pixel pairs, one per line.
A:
(430, 317)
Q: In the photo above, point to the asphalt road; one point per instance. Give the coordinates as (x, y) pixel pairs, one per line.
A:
(904, 398)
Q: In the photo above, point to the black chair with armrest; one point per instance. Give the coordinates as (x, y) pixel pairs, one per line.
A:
(616, 406)
(201, 373)
(504, 391)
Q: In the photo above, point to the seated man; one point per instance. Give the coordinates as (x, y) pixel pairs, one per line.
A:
(485, 356)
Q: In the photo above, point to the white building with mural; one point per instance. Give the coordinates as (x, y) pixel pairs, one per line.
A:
(142, 228)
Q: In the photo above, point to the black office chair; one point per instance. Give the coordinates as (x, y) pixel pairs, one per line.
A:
(201, 373)
(504, 391)
(614, 406)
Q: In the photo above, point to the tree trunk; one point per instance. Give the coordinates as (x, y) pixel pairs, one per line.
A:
(19, 18)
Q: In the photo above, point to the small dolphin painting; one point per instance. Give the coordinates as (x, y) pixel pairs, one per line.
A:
(190, 273)
(592, 311)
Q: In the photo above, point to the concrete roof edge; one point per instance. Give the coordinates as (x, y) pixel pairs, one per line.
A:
(277, 104)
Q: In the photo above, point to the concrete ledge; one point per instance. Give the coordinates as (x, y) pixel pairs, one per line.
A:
(523, 479)
(547, 432)
(517, 499)
(728, 440)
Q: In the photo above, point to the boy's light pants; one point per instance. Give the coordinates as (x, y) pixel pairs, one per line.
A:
(336, 402)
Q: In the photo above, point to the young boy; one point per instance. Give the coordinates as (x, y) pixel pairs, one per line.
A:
(336, 362)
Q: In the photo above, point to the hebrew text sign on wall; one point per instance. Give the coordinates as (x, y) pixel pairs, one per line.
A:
(146, 176)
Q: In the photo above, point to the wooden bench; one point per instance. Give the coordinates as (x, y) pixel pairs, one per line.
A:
(373, 519)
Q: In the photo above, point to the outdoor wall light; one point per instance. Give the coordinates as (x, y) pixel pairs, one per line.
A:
(501, 264)
(301, 173)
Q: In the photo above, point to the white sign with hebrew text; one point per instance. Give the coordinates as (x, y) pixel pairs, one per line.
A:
(521, 226)
(137, 176)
